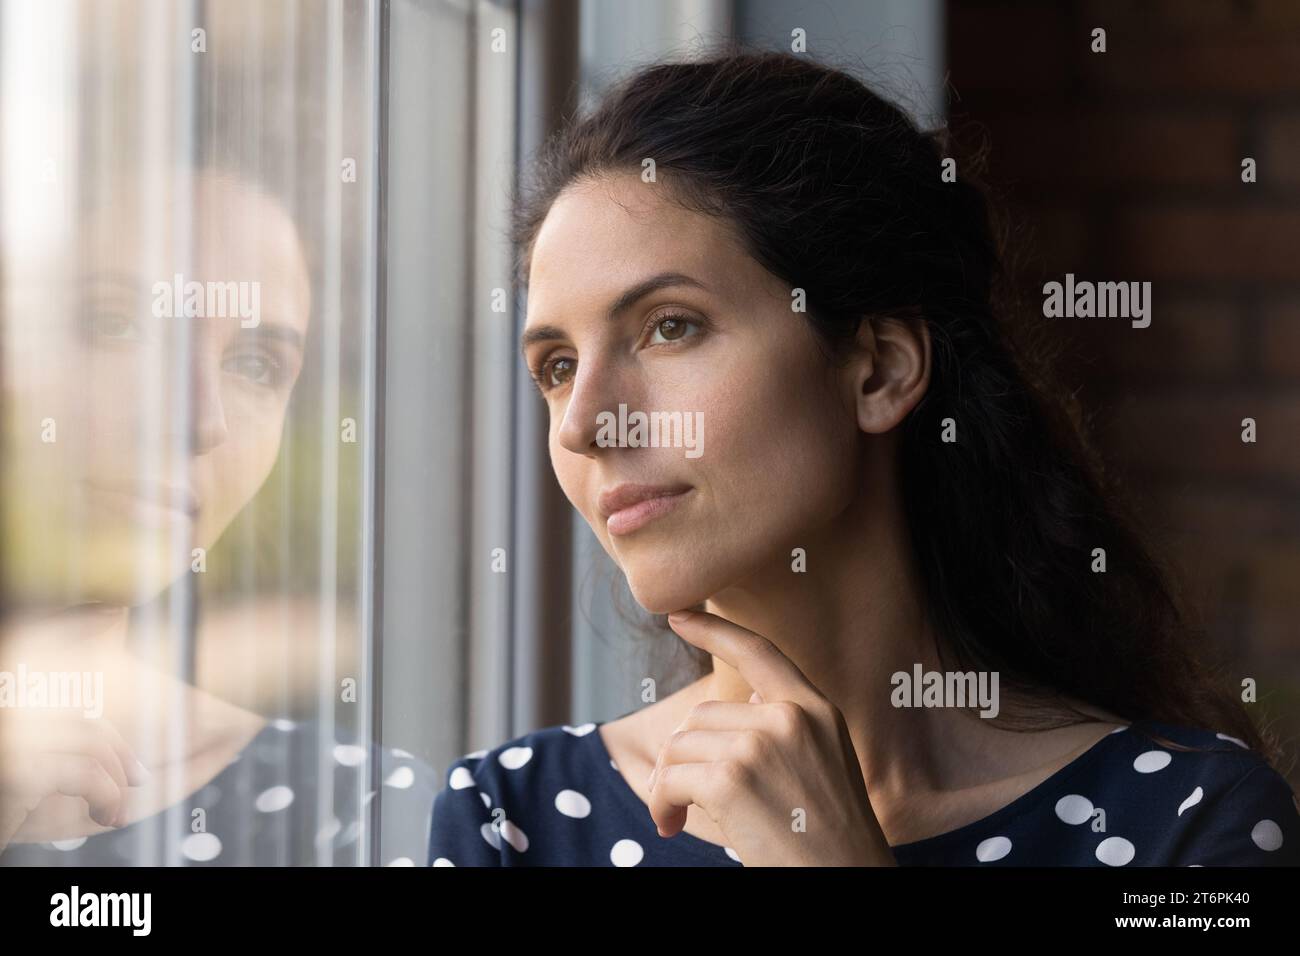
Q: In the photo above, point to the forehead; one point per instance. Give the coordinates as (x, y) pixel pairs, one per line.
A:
(601, 236)
(217, 230)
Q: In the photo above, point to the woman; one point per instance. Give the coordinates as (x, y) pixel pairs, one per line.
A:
(884, 493)
(162, 426)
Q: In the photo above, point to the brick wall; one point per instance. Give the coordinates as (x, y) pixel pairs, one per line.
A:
(1126, 166)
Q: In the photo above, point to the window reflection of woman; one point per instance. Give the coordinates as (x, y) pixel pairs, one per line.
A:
(162, 429)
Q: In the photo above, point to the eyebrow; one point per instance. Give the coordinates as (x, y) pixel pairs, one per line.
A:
(113, 281)
(275, 332)
(629, 298)
(271, 331)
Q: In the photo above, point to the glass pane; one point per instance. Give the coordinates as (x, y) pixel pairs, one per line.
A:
(188, 222)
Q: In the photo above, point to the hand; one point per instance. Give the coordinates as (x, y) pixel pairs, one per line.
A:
(54, 767)
(751, 766)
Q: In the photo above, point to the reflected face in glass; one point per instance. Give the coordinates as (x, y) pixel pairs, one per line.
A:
(164, 423)
(781, 446)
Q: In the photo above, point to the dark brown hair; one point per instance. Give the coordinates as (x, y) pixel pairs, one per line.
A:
(836, 191)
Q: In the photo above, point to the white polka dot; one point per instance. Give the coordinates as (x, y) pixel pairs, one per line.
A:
(443, 861)
(1192, 800)
(404, 754)
(572, 804)
(68, 844)
(401, 778)
(487, 801)
(626, 853)
(994, 848)
(329, 831)
(489, 833)
(731, 853)
(401, 861)
(201, 847)
(1235, 740)
(283, 725)
(1074, 809)
(476, 755)
(614, 765)
(514, 836)
(368, 797)
(276, 798)
(461, 778)
(350, 833)
(1115, 851)
(581, 730)
(1267, 835)
(1151, 761)
(1120, 730)
(349, 755)
(512, 758)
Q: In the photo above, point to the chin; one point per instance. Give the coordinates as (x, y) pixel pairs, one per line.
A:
(660, 600)
(664, 586)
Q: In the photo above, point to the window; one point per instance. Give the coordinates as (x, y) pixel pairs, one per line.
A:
(277, 510)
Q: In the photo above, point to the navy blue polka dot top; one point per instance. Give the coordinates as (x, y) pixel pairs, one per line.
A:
(555, 797)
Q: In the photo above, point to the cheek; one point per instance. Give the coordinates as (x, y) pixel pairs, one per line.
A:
(235, 470)
(778, 449)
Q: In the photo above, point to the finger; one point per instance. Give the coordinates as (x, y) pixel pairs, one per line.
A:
(97, 737)
(723, 715)
(760, 662)
(73, 737)
(90, 741)
(136, 772)
(700, 746)
(75, 776)
(678, 786)
(715, 715)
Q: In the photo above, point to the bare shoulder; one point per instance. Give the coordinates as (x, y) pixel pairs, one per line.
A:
(1055, 748)
(1103, 722)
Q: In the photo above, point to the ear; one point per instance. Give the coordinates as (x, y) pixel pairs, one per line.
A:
(890, 370)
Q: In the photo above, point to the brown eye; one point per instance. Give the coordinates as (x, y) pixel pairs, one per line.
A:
(671, 328)
(113, 326)
(258, 369)
(561, 371)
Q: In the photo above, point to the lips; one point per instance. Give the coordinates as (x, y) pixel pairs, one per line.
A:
(626, 495)
(173, 497)
(628, 507)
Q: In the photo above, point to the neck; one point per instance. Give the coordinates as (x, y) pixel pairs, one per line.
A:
(855, 617)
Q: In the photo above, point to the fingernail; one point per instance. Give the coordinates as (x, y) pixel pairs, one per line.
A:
(678, 616)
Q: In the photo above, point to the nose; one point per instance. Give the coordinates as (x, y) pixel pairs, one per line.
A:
(596, 388)
(207, 410)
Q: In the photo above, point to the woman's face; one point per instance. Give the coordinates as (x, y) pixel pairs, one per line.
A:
(134, 437)
(782, 451)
